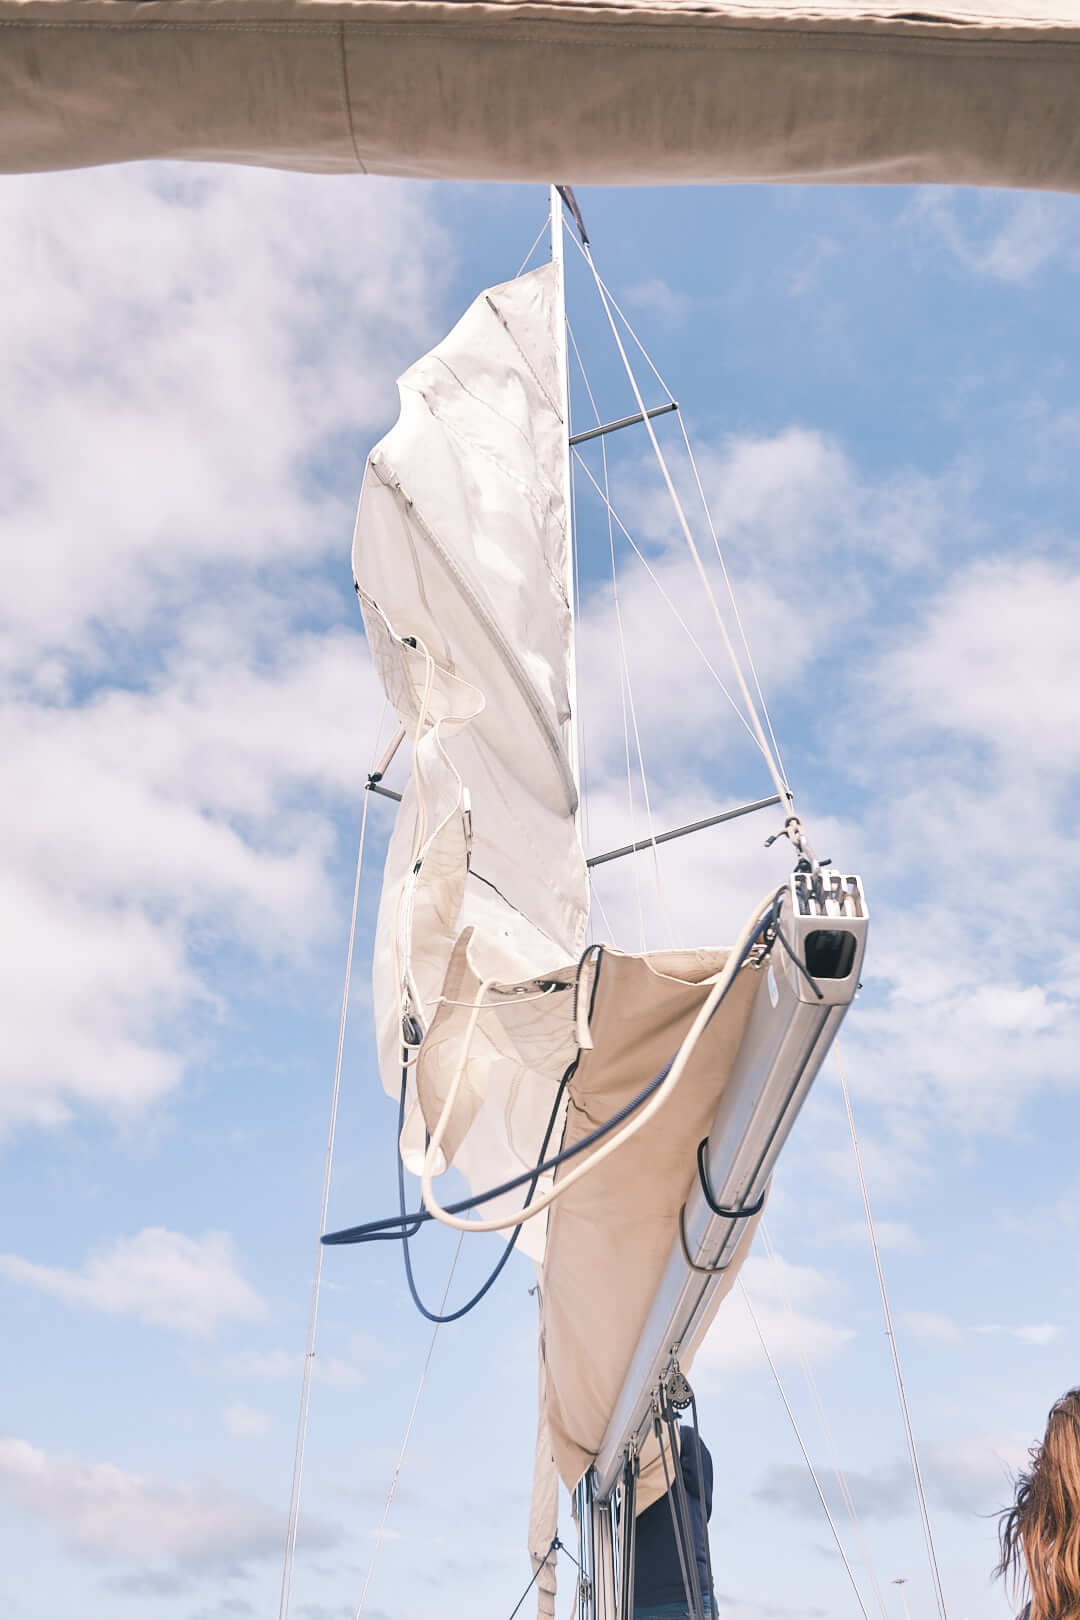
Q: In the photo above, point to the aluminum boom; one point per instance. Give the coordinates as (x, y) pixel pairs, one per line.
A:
(796, 1012)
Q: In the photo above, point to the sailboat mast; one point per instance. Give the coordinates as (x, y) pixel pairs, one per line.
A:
(558, 259)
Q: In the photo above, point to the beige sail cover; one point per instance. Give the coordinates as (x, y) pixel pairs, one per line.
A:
(609, 1237)
(978, 92)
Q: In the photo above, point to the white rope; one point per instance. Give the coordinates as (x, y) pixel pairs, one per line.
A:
(689, 634)
(706, 584)
(408, 1432)
(627, 692)
(623, 673)
(313, 1314)
(613, 1143)
(743, 637)
(920, 1491)
(819, 1406)
(806, 1454)
(541, 233)
(708, 517)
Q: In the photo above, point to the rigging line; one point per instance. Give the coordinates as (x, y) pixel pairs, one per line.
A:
(802, 1448)
(677, 1528)
(624, 661)
(541, 233)
(556, 1546)
(577, 721)
(706, 584)
(708, 517)
(732, 598)
(704, 1504)
(408, 1432)
(622, 665)
(916, 1470)
(687, 632)
(599, 903)
(623, 317)
(826, 1427)
(316, 1281)
(628, 700)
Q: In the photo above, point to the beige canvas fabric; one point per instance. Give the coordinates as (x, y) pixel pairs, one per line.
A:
(461, 559)
(639, 91)
(609, 1237)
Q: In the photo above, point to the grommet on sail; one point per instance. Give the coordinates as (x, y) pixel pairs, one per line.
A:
(616, 1114)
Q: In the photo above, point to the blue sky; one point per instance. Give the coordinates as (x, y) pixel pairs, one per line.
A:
(880, 386)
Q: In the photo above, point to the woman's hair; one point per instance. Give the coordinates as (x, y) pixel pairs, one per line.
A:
(1040, 1533)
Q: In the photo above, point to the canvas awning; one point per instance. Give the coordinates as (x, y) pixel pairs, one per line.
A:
(633, 92)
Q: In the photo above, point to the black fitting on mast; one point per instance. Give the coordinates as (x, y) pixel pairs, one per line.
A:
(567, 195)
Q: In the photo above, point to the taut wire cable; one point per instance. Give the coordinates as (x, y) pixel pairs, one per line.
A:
(627, 689)
(313, 1313)
(408, 1432)
(706, 584)
(541, 233)
(687, 632)
(622, 669)
(802, 1448)
(909, 1432)
(708, 515)
(826, 1427)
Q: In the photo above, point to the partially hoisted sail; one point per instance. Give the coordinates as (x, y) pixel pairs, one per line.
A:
(482, 1000)
(461, 559)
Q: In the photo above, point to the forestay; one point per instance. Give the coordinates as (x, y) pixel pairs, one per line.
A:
(979, 92)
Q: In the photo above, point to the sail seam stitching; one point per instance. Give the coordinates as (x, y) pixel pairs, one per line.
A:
(347, 92)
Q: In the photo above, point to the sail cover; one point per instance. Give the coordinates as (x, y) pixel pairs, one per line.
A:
(484, 998)
(980, 92)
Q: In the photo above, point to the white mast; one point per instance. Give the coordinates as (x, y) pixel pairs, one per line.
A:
(558, 259)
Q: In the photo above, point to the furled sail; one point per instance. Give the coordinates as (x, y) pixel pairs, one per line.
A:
(975, 92)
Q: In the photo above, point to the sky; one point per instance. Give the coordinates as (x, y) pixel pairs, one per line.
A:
(879, 385)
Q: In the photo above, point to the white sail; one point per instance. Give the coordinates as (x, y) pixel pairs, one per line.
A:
(462, 548)
(460, 559)
(975, 92)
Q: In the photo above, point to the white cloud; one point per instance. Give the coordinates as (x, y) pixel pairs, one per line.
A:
(1039, 1333)
(662, 302)
(163, 1278)
(931, 1327)
(107, 1514)
(181, 349)
(895, 1235)
(775, 501)
(1000, 236)
(245, 1421)
(1036, 1333)
(195, 363)
(787, 1301)
(996, 665)
(288, 1364)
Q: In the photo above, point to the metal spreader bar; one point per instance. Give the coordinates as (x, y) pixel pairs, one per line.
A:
(624, 421)
(681, 832)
